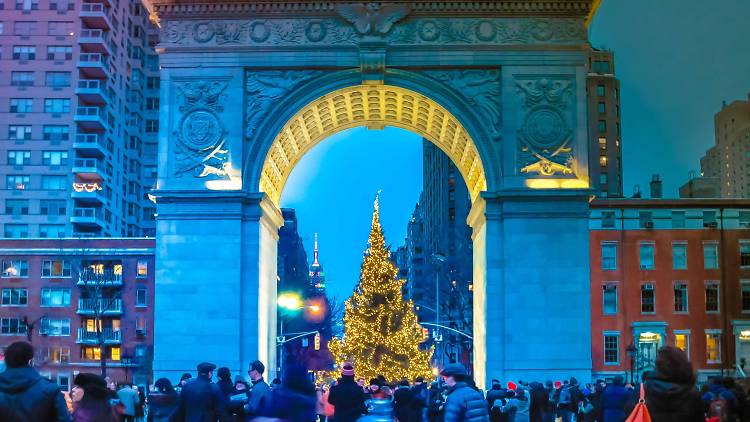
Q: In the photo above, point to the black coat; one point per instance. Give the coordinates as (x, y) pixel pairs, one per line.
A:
(200, 401)
(347, 399)
(33, 397)
(465, 404)
(419, 395)
(402, 403)
(161, 406)
(673, 402)
(290, 406)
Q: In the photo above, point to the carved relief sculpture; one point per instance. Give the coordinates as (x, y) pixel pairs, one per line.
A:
(373, 18)
(545, 134)
(200, 147)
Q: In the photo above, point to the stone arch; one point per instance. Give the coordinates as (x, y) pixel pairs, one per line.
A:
(374, 106)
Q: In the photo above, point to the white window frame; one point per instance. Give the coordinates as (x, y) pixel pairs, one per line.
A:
(744, 283)
(605, 288)
(606, 334)
(683, 244)
(616, 247)
(145, 297)
(713, 332)
(715, 246)
(746, 243)
(10, 289)
(641, 245)
(62, 275)
(686, 333)
(51, 290)
(687, 297)
(718, 296)
(22, 264)
(640, 294)
(144, 264)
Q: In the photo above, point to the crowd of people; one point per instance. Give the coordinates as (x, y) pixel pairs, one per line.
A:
(670, 395)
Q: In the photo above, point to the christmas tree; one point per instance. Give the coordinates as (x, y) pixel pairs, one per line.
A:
(381, 331)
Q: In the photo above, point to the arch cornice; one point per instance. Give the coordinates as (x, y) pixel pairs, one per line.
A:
(305, 94)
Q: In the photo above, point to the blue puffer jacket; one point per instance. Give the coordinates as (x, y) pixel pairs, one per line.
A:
(465, 404)
(35, 398)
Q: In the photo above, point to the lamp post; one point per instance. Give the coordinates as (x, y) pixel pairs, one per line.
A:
(631, 351)
(291, 302)
(438, 258)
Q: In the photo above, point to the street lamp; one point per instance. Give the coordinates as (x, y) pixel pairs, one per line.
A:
(631, 351)
(438, 258)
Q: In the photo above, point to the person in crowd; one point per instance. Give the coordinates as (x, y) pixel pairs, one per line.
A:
(129, 399)
(320, 402)
(200, 399)
(162, 402)
(496, 399)
(720, 399)
(361, 384)
(294, 399)
(517, 408)
(538, 400)
(140, 409)
(184, 379)
(462, 403)
(419, 397)
(225, 382)
(275, 383)
(671, 395)
(402, 401)
(435, 403)
(615, 401)
(91, 399)
(567, 403)
(33, 397)
(260, 392)
(372, 388)
(346, 396)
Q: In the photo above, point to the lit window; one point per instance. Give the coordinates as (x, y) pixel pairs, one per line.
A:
(90, 353)
(114, 353)
(16, 268)
(679, 256)
(142, 270)
(609, 256)
(55, 297)
(710, 256)
(56, 269)
(609, 299)
(648, 298)
(682, 341)
(680, 297)
(603, 160)
(713, 346)
(712, 297)
(646, 255)
(611, 349)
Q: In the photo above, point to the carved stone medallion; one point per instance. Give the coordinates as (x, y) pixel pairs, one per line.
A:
(200, 130)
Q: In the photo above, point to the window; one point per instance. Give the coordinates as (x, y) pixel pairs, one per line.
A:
(140, 297)
(745, 254)
(744, 218)
(646, 219)
(57, 105)
(709, 219)
(611, 348)
(52, 207)
(21, 105)
(602, 142)
(600, 90)
(710, 256)
(152, 83)
(142, 270)
(61, 5)
(59, 52)
(712, 297)
(56, 354)
(24, 52)
(16, 182)
(56, 268)
(745, 296)
(55, 158)
(603, 179)
(648, 298)
(24, 28)
(12, 327)
(90, 353)
(57, 79)
(59, 29)
(152, 103)
(603, 160)
(19, 132)
(646, 256)
(609, 299)
(609, 256)
(713, 346)
(55, 297)
(53, 182)
(27, 4)
(114, 353)
(19, 158)
(56, 133)
(152, 126)
(601, 107)
(602, 126)
(51, 230)
(608, 219)
(16, 231)
(16, 268)
(679, 256)
(17, 206)
(680, 297)
(55, 326)
(682, 341)
(22, 78)
(15, 297)
(601, 66)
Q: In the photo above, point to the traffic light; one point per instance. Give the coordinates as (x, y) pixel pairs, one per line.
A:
(317, 341)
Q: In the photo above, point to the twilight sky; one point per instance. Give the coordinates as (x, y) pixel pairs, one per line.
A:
(677, 60)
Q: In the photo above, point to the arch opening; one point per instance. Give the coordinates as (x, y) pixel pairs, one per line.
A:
(374, 106)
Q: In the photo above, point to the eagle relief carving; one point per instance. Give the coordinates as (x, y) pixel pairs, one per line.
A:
(200, 147)
(373, 18)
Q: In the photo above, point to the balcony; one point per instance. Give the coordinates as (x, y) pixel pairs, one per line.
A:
(93, 65)
(108, 277)
(90, 144)
(94, 41)
(109, 335)
(88, 193)
(94, 15)
(90, 118)
(88, 218)
(88, 170)
(102, 306)
(92, 91)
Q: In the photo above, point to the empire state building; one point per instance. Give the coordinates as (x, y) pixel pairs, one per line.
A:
(317, 276)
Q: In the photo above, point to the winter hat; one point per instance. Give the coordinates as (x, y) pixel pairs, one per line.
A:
(512, 386)
(93, 385)
(347, 369)
(454, 369)
(558, 384)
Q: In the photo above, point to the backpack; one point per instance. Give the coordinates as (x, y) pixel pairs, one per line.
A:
(718, 408)
(497, 406)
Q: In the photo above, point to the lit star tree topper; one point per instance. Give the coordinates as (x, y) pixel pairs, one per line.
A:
(381, 333)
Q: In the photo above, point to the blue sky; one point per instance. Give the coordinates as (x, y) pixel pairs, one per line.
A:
(677, 60)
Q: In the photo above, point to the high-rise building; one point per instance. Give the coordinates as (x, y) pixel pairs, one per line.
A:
(292, 258)
(729, 159)
(317, 275)
(55, 292)
(78, 118)
(605, 141)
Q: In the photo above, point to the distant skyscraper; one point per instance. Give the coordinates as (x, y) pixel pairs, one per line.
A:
(292, 258)
(317, 276)
(79, 118)
(605, 146)
(729, 159)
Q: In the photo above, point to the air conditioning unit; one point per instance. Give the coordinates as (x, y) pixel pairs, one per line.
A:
(649, 224)
(140, 331)
(648, 287)
(711, 224)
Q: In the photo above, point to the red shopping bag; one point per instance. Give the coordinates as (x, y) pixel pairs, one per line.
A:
(640, 413)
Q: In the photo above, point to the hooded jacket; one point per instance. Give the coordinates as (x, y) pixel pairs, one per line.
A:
(673, 401)
(34, 397)
(465, 404)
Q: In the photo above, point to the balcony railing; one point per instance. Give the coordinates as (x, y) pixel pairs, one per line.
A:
(91, 33)
(101, 306)
(92, 7)
(109, 336)
(95, 58)
(90, 111)
(108, 277)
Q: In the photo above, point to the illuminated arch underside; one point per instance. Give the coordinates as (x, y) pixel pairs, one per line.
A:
(374, 106)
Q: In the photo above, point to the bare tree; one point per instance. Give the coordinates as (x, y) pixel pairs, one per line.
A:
(30, 326)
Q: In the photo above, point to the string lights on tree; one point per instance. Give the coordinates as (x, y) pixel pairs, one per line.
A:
(381, 331)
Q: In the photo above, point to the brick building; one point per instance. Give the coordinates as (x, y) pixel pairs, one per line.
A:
(670, 272)
(54, 290)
